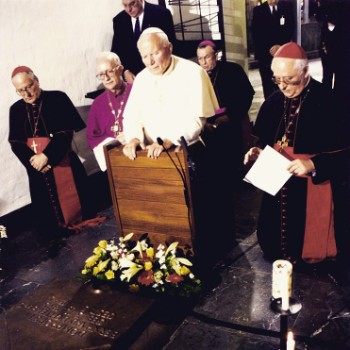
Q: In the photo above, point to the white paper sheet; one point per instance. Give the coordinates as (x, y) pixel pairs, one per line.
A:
(269, 172)
(99, 154)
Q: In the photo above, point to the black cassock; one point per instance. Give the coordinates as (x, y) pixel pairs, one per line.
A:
(57, 119)
(318, 128)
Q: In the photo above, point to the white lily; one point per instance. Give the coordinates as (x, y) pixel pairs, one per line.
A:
(171, 248)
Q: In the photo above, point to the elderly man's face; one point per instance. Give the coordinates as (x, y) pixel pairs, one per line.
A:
(207, 58)
(155, 56)
(290, 80)
(26, 87)
(133, 7)
(272, 2)
(109, 74)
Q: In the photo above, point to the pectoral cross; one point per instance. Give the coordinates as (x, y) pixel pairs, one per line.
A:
(115, 129)
(34, 145)
(284, 142)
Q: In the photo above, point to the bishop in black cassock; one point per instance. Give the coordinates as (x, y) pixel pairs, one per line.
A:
(297, 223)
(56, 175)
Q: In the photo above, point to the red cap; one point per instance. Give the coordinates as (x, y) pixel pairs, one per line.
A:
(291, 50)
(21, 69)
(205, 43)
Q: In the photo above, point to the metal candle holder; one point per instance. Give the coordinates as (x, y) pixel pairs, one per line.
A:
(294, 308)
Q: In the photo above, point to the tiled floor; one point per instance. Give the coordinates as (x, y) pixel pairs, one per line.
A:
(235, 314)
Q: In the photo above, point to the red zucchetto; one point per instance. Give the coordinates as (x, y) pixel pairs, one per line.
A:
(21, 69)
(290, 50)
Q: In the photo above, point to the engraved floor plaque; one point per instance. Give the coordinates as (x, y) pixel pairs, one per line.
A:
(66, 315)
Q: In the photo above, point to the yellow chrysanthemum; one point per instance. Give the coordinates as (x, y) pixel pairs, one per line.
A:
(102, 265)
(91, 261)
(84, 272)
(184, 271)
(98, 251)
(109, 274)
(176, 266)
(103, 244)
(150, 252)
(95, 271)
(148, 265)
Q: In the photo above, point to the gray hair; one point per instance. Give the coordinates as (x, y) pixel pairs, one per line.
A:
(163, 38)
(300, 64)
(109, 56)
(31, 75)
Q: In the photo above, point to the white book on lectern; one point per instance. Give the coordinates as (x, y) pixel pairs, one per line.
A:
(269, 172)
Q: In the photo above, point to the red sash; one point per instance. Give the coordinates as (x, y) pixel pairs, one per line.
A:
(319, 238)
(68, 198)
(38, 144)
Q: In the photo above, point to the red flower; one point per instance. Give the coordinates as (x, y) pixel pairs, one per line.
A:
(146, 278)
(174, 278)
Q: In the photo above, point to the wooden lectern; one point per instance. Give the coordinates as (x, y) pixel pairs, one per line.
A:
(148, 195)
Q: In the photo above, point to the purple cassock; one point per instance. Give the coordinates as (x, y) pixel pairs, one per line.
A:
(106, 116)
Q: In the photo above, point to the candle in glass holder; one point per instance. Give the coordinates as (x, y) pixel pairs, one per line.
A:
(282, 281)
(290, 341)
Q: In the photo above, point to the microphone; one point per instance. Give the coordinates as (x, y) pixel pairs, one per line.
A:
(181, 172)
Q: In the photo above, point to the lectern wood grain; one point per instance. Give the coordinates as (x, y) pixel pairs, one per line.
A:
(148, 195)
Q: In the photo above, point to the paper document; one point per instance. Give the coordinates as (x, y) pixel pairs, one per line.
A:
(99, 154)
(269, 172)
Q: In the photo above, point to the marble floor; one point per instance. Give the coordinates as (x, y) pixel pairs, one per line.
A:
(233, 314)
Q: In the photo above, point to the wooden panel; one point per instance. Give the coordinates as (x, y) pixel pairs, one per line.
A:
(121, 173)
(148, 195)
(156, 216)
(152, 190)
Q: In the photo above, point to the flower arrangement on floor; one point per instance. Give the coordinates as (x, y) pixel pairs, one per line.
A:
(139, 266)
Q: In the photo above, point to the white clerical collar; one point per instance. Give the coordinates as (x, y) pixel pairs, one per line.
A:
(271, 8)
(140, 17)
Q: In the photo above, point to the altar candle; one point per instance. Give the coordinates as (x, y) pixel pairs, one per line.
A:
(282, 281)
(290, 341)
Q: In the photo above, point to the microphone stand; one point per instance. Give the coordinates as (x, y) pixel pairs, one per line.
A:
(181, 172)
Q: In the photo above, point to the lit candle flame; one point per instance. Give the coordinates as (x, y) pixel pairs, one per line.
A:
(290, 341)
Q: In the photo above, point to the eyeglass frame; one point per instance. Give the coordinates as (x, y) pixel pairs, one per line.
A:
(27, 88)
(106, 73)
(285, 80)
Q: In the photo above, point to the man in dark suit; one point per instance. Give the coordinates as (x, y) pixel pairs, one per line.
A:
(226, 135)
(128, 25)
(272, 26)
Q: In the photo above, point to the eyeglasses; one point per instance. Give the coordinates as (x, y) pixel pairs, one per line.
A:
(25, 90)
(106, 74)
(286, 80)
(131, 4)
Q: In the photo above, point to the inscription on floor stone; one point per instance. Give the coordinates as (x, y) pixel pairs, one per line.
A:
(70, 320)
(67, 315)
